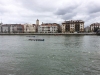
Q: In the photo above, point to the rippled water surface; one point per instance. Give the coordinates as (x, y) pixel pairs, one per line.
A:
(57, 55)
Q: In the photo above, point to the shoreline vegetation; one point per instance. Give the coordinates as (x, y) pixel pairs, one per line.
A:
(47, 33)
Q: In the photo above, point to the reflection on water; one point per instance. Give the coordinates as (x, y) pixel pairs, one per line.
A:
(57, 55)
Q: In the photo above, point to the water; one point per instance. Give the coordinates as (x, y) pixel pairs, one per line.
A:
(57, 55)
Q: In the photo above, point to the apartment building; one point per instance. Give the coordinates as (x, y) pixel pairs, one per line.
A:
(94, 27)
(73, 26)
(11, 28)
(48, 28)
(5, 28)
(29, 28)
(16, 28)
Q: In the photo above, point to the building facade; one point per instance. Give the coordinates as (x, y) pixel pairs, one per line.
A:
(12, 28)
(16, 28)
(29, 28)
(37, 24)
(94, 27)
(1, 27)
(73, 26)
(5, 28)
(48, 28)
(87, 29)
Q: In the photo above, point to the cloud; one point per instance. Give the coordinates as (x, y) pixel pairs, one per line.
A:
(23, 11)
(86, 11)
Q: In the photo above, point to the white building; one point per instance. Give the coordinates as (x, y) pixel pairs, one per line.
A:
(29, 28)
(5, 28)
(94, 27)
(48, 28)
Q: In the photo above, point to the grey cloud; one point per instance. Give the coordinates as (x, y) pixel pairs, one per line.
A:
(93, 8)
(47, 10)
(87, 11)
(65, 10)
(93, 15)
(68, 16)
(2, 11)
(37, 5)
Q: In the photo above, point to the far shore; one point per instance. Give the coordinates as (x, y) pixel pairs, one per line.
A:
(47, 33)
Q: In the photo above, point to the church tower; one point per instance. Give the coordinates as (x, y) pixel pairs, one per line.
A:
(37, 22)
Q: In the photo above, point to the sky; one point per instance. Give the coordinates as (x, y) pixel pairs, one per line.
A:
(49, 11)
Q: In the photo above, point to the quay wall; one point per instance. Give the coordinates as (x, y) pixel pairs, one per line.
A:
(47, 33)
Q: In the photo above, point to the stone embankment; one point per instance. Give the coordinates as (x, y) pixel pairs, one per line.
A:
(47, 33)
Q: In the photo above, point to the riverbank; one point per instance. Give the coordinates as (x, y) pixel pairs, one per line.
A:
(47, 33)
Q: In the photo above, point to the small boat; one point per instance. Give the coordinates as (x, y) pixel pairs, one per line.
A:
(36, 39)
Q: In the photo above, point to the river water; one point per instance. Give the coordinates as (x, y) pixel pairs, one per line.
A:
(56, 55)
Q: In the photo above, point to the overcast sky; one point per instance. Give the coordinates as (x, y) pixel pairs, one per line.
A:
(49, 11)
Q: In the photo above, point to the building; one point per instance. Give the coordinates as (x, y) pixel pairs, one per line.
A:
(73, 26)
(29, 28)
(87, 29)
(20, 28)
(12, 28)
(16, 28)
(5, 28)
(37, 24)
(94, 27)
(1, 27)
(48, 28)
